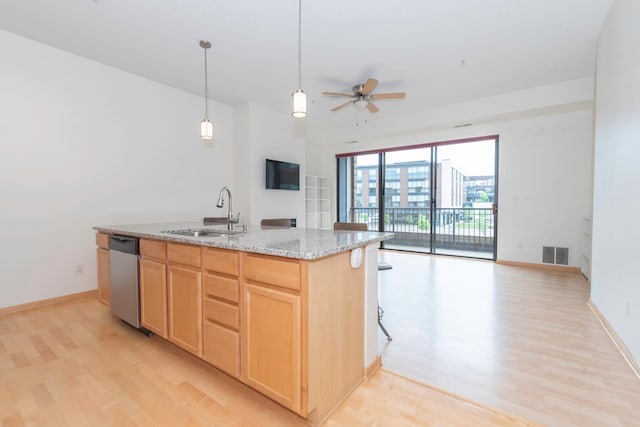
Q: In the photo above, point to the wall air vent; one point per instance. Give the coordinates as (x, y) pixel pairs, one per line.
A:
(548, 254)
(562, 256)
(553, 255)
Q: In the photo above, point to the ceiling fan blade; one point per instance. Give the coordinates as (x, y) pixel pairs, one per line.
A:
(372, 107)
(341, 106)
(346, 95)
(369, 86)
(397, 95)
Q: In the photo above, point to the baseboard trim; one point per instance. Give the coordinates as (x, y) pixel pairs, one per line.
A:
(552, 267)
(373, 368)
(49, 301)
(471, 402)
(633, 363)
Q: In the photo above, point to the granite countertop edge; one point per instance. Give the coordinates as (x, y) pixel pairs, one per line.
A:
(312, 243)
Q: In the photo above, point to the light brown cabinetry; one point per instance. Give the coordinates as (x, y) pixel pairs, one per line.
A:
(153, 286)
(291, 329)
(303, 330)
(281, 272)
(171, 292)
(184, 296)
(272, 318)
(272, 343)
(104, 266)
(221, 319)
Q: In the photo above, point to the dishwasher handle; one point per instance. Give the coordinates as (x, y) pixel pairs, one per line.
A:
(126, 244)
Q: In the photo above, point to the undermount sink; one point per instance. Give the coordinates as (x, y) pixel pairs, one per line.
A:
(195, 232)
(202, 232)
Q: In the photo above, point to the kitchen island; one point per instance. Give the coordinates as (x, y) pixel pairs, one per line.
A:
(291, 312)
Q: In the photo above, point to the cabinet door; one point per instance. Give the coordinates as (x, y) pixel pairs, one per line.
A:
(221, 348)
(104, 275)
(185, 308)
(153, 296)
(271, 347)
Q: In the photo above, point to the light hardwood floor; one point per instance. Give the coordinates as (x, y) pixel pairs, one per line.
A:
(73, 364)
(513, 338)
(519, 339)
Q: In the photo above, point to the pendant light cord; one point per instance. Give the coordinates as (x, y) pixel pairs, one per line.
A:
(206, 87)
(300, 44)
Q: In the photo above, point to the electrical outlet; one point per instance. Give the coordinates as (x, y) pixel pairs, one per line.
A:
(80, 269)
(628, 308)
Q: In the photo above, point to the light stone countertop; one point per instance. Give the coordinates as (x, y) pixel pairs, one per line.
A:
(298, 243)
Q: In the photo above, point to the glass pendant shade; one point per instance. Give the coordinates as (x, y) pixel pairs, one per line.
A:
(299, 103)
(206, 129)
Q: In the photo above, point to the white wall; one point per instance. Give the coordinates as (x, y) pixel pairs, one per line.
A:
(615, 279)
(82, 144)
(545, 160)
(266, 134)
(241, 161)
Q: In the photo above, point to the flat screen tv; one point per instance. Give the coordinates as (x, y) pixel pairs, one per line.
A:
(282, 175)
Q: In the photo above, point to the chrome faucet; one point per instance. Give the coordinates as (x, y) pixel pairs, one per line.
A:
(220, 203)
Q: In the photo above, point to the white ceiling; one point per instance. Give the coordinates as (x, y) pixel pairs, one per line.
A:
(438, 51)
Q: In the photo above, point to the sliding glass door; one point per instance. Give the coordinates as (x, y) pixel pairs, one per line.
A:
(438, 198)
(465, 216)
(364, 203)
(408, 186)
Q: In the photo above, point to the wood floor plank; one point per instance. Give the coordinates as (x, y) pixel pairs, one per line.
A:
(528, 349)
(20, 359)
(63, 339)
(519, 339)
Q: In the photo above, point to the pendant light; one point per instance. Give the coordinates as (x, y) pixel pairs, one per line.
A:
(206, 127)
(299, 97)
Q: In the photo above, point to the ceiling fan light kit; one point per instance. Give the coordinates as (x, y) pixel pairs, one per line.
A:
(363, 97)
(361, 104)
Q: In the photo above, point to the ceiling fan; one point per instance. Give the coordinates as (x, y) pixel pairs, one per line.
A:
(363, 98)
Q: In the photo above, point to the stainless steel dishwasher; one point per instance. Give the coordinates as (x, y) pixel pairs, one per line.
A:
(125, 295)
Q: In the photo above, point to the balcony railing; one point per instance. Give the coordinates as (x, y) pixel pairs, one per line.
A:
(464, 229)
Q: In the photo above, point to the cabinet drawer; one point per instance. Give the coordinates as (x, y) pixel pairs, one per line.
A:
(102, 240)
(221, 348)
(273, 271)
(184, 254)
(221, 261)
(153, 249)
(221, 287)
(221, 312)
